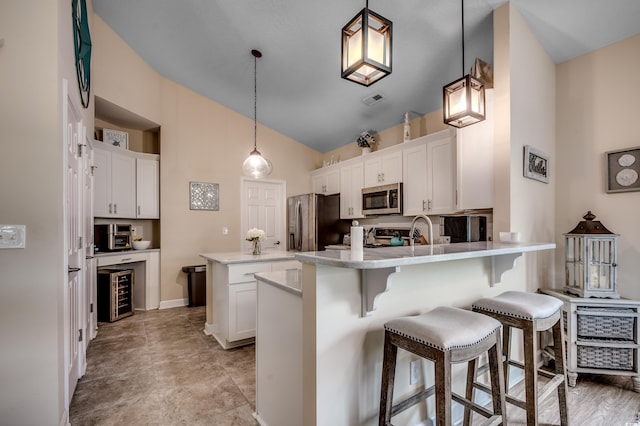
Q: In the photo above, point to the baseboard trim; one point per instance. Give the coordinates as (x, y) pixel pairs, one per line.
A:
(64, 420)
(208, 329)
(175, 303)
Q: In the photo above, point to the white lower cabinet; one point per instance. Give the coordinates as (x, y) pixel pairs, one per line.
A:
(146, 266)
(234, 299)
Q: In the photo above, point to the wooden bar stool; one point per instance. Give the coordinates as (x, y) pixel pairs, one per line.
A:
(532, 313)
(445, 336)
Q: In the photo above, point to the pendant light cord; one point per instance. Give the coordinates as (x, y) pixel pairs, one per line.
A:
(462, 14)
(255, 102)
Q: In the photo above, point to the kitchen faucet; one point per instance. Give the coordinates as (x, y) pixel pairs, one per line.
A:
(413, 229)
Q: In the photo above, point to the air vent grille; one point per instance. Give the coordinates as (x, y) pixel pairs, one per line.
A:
(373, 99)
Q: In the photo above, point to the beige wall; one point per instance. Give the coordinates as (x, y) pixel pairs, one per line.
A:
(423, 125)
(597, 112)
(36, 56)
(525, 115)
(201, 141)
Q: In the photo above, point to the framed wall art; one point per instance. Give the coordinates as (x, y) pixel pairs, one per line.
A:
(623, 170)
(204, 196)
(116, 138)
(536, 164)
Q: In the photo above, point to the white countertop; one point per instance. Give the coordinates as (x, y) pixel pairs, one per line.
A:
(290, 280)
(246, 257)
(121, 252)
(387, 257)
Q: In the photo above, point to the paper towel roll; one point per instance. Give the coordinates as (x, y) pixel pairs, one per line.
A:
(357, 238)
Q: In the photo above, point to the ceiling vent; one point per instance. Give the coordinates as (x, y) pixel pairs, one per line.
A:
(373, 99)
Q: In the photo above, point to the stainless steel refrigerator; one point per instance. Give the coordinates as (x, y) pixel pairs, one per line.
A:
(313, 222)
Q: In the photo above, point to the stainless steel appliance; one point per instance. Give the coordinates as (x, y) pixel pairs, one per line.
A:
(115, 294)
(464, 228)
(384, 199)
(313, 222)
(111, 237)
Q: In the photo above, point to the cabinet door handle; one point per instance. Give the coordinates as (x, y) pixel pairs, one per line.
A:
(429, 204)
(138, 210)
(125, 259)
(109, 208)
(424, 205)
(115, 208)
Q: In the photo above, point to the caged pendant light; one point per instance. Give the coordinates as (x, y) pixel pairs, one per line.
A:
(463, 100)
(366, 48)
(256, 166)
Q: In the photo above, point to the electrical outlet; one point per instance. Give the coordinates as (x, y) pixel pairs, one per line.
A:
(446, 239)
(415, 374)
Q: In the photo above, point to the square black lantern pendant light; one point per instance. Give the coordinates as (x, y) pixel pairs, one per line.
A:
(366, 48)
(463, 100)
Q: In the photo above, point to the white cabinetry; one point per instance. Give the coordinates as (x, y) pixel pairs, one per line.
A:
(351, 181)
(146, 265)
(383, 168)
(113, 182)
(474, 150)
(125, 183)
(148, 187)
(429, 175)
(234, 299)
(326, 180)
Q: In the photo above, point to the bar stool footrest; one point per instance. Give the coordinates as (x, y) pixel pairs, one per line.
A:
(401, 406)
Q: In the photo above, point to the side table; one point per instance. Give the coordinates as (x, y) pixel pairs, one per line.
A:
(602, 336)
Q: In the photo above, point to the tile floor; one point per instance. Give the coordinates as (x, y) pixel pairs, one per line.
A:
(158, 368)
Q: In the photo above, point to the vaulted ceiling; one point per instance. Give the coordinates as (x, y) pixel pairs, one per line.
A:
(206, 47)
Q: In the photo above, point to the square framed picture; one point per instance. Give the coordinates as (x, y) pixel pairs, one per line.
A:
(203, 196)
(116, 138)
(623, 170)
(536, 164)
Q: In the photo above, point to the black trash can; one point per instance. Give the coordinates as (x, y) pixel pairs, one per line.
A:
(197, 284)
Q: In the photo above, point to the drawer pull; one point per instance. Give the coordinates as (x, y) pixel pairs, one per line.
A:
(125, 259)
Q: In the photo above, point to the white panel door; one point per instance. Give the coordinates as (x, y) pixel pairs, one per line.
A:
(263, 207)
(147, 188)
(75, 255)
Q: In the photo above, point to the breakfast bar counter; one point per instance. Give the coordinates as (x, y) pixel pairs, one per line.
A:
(347, 299)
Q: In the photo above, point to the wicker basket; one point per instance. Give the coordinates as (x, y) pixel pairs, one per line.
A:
(607, 358)
(608, 327)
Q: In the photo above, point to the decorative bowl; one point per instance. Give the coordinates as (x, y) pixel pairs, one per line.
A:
(141, 245)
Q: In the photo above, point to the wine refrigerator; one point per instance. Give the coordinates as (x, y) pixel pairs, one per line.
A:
(115, 294)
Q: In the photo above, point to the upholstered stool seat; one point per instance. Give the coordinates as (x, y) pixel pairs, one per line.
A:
(445, 336)
(532, 313)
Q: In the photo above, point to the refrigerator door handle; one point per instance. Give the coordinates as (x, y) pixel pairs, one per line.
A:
(299, 225)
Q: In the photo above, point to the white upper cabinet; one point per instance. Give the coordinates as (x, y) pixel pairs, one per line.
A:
(475, 161)
(383, 168)
(114, 180)
(326, 180)
(351, 180)
(125, 183)
(148, 187)
(429, 175)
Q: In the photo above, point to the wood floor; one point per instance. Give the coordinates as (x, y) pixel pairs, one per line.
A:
(158, 368)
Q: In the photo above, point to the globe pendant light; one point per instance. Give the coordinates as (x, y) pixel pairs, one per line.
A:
(256, 166)
(463, 99)
(366, 48)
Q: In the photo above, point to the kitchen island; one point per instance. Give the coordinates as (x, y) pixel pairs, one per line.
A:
(231, 292)
(346, 301)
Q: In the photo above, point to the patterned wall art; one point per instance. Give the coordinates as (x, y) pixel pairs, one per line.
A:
(623, 170)
(204, 196)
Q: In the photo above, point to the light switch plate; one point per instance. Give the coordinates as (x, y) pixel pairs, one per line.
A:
(12, 236)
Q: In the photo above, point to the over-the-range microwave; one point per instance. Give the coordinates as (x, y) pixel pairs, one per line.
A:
(384, 199)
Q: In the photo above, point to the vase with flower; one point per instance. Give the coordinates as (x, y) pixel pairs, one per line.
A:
(255, 235)
(364, 141)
